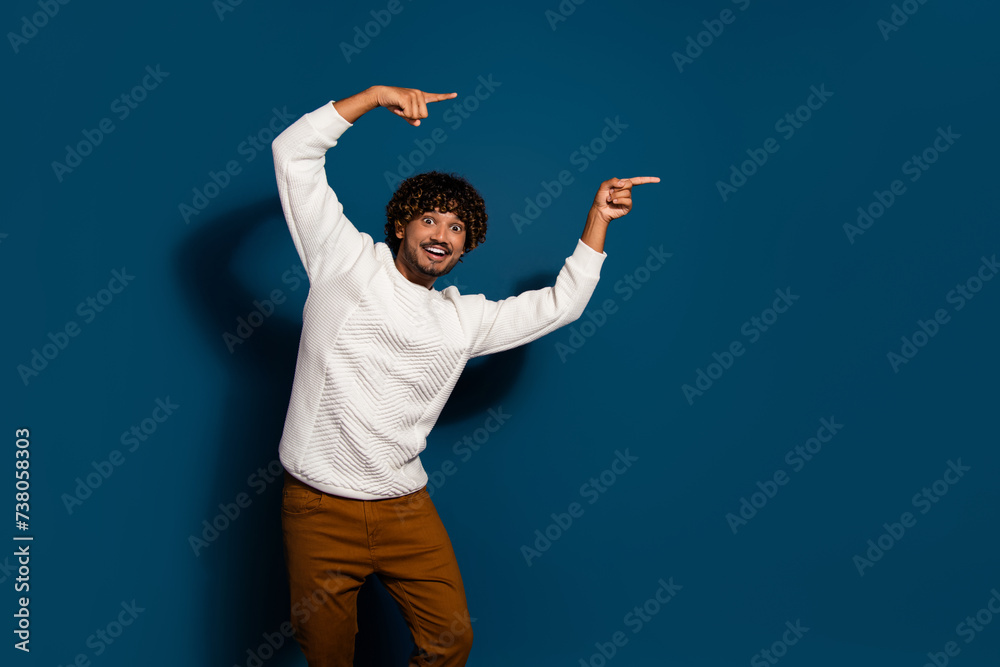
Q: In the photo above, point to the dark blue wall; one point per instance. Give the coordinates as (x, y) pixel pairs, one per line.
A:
(831, 466)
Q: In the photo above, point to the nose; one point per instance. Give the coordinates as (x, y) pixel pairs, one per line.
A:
(439, 237)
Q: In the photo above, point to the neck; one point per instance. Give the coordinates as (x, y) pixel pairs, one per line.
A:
(414, 277)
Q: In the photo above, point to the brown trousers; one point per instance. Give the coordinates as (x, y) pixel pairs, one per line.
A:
(333, 543)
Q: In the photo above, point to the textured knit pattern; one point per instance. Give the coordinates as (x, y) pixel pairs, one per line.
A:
(379, 355)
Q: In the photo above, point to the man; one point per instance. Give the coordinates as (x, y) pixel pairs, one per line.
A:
(380, 352)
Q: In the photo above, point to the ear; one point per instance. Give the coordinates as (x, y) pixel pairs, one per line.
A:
(399, 231)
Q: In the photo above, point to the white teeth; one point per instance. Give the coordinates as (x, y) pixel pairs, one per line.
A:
(436, 251)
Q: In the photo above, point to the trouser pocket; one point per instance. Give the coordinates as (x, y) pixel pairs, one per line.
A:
(298, 499)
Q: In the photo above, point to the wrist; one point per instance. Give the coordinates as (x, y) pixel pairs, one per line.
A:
(595, 231)
(357, 105)
(595, 218)
(371, 97)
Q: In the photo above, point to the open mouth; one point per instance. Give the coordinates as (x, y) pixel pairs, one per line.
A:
(435, 252)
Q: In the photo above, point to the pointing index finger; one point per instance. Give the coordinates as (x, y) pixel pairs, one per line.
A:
(437, 97)
(639, 180)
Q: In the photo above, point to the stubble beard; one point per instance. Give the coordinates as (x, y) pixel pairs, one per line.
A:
(410, 257)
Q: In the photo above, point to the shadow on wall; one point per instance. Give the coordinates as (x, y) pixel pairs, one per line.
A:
(248, 594)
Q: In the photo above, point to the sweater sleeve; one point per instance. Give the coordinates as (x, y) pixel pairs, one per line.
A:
(314, 214)
(520, 319)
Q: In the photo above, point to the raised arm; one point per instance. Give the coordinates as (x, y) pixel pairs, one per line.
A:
(518, 320)
(314, 214)
(528, 316)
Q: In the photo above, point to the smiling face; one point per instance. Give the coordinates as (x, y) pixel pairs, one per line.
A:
(428, 232)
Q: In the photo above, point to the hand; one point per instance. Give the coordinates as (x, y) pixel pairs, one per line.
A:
(614, 200)
(408, 103)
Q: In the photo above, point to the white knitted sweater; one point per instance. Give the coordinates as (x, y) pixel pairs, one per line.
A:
(379, 355)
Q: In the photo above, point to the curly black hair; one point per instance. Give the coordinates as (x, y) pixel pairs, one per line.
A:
(449, 193)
